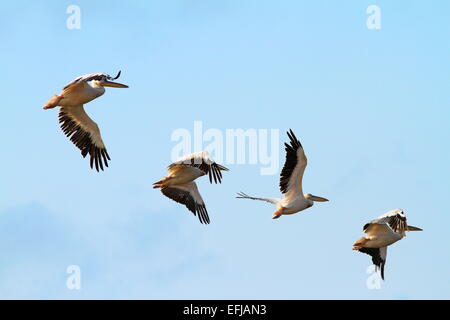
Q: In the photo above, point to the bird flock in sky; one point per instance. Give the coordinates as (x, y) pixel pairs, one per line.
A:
(179, 184)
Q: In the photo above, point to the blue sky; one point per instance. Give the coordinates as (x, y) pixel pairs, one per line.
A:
(370, 107)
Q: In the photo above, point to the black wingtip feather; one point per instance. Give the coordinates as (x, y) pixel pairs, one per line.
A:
(295, 143)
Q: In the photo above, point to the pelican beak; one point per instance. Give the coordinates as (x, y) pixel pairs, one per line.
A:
(411, 228)
(317, 199)
(113, 84)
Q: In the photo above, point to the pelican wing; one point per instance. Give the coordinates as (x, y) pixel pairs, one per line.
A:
(85, 134)
(376, 229)
(89, 77)
(188, 195)
(294, 167)
(395, 219)
(202, 161)
(378, 257)
(242, 195)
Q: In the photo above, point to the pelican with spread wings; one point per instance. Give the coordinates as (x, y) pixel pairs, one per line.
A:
(75, 123)
(381, 233)
(179, 183)
(293, 200)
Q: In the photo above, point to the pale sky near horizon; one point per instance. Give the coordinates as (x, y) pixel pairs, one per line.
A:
(370, 107)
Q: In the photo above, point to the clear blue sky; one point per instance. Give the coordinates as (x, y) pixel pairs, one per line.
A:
(371, 108)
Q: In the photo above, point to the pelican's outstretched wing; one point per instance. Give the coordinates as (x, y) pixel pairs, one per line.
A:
(294, 167)
(378, 257)
(85, 134)
(242, 195)
(203, 162)
(188, 195)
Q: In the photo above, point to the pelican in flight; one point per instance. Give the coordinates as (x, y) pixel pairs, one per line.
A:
(75, 123)
(293, 200)
(381, 233)
(179, 183)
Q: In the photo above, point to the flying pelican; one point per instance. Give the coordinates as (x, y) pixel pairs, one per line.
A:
(381, 233)
(293, 200)
(75, 123)
(179, 184)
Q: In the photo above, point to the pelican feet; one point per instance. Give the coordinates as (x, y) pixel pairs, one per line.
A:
(359, 244)
(161, 183)
(278, 213)
(53, 102)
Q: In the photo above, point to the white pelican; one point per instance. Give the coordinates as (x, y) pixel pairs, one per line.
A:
(75, 123)
(179, 184)
(382, 232)
(293, 200)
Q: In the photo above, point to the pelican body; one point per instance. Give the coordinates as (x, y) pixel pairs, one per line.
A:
(381, 232)
(75, 122)
(179, 184)
(179, 175)
(293, 199)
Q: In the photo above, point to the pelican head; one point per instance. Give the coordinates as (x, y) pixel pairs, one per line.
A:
(315, 198)
(106, 81)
